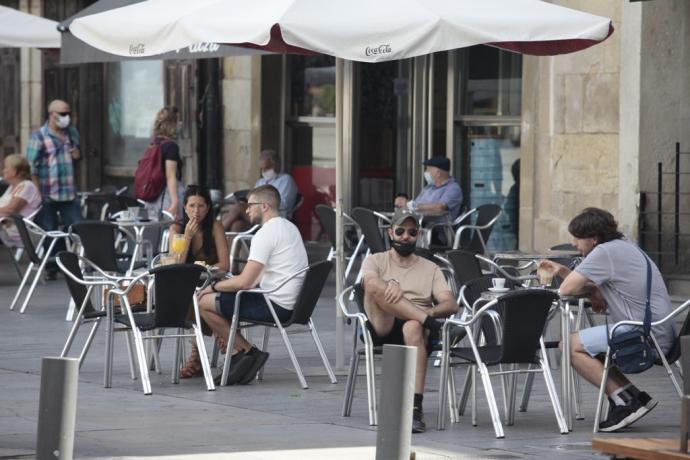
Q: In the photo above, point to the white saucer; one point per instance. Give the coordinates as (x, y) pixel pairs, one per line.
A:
(503, 289)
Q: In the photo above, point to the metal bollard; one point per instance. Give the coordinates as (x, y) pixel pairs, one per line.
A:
(395, 411)
(57, 408)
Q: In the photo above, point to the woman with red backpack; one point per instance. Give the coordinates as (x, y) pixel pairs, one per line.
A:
(158, 179)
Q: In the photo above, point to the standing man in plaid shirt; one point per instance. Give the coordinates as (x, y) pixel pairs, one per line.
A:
(52, 150)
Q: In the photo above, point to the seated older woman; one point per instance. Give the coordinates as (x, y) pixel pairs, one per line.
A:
(206, 243)
(21, 197)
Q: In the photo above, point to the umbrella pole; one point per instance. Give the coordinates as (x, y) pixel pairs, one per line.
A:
(339, 231)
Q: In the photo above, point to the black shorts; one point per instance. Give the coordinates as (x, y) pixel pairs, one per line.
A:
(396, 337)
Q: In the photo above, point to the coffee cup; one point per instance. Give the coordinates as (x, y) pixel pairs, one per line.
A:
(499, 283)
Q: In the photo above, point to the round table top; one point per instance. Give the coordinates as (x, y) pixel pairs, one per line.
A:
(142, 222)
(536, 255)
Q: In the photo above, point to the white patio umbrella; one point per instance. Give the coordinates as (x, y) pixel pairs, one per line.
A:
(360, 30)
(23, 30)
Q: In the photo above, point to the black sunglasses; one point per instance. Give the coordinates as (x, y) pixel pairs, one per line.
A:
(62, 114)
(399, 231)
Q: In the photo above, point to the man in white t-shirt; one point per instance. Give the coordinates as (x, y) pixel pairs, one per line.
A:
(276, 252)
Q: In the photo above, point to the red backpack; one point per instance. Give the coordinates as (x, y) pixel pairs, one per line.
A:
(149, 178)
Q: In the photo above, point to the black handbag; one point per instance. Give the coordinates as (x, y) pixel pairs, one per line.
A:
(632, 351)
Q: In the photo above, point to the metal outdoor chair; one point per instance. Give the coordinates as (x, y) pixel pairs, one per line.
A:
(351, 303)
(523, 316)
(37, 259)
(449, 229)
(487, 216)
(326, 215)
(240, 243)
(368, 222)
(465, 266)
(173, 289)
(81, 288)
(663, 359)
(98, 241)
(315, 277)
(17, 251)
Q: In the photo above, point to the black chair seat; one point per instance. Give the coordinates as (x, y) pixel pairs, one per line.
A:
(94, 314)
(145, 321)
(490, 354)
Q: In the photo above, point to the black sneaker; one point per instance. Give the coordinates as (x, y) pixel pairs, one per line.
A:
(646, 400)
(622, 416)
(50, 276)
(259, 359)
(240, 363)
(418, 425)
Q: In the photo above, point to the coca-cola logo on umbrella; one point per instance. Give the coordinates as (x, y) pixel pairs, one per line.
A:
(376, 50)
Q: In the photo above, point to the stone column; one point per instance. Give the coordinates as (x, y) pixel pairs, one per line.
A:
(32, 106)
(241, 121)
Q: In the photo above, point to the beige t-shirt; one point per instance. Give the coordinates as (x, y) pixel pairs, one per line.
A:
(420, 283)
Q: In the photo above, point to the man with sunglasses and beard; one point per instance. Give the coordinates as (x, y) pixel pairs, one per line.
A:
(406, 298)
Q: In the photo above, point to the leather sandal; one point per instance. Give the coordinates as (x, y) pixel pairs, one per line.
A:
(192, 368)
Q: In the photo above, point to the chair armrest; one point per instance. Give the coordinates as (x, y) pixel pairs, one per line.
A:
(280, 285)
(463, 323)
(132, 282)
(250, 231)
(663, 320)
(500, 269)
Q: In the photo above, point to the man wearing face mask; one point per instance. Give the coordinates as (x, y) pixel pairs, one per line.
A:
(269, 164)
(234, 218)
(404, 296)
(52, 151)
(442, 194)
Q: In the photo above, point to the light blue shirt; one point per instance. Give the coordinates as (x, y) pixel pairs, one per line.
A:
(449, 194)
(287, 188)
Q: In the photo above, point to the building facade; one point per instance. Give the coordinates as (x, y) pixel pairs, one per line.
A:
(541, 136)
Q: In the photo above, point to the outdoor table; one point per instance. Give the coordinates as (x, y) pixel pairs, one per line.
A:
(642, 448)
(138, 226)
(526, 256)
(564, 305)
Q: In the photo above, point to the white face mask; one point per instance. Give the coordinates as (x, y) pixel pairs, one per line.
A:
(427, 177)
(268, 174)
(62, 121)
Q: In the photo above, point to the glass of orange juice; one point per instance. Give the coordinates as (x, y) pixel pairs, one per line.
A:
(177, 246)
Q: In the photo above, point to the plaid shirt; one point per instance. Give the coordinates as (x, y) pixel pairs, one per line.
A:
(51, 161)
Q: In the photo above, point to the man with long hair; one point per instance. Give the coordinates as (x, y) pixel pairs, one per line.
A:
(613, 275)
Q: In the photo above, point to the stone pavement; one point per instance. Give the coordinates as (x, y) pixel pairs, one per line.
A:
(272, 419)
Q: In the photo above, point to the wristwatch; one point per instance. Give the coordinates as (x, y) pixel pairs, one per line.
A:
(213, 286)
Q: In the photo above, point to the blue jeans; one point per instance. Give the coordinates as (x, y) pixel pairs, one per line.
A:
(47, 218)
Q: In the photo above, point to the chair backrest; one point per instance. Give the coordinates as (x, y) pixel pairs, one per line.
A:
(465, 266)
(369, 224)
(326, 215)
(70, 262)
(524, 315)
(174, 288)
(98, 240)
(314, 280)
(674, 353)
(486, 213)
(27, 242)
